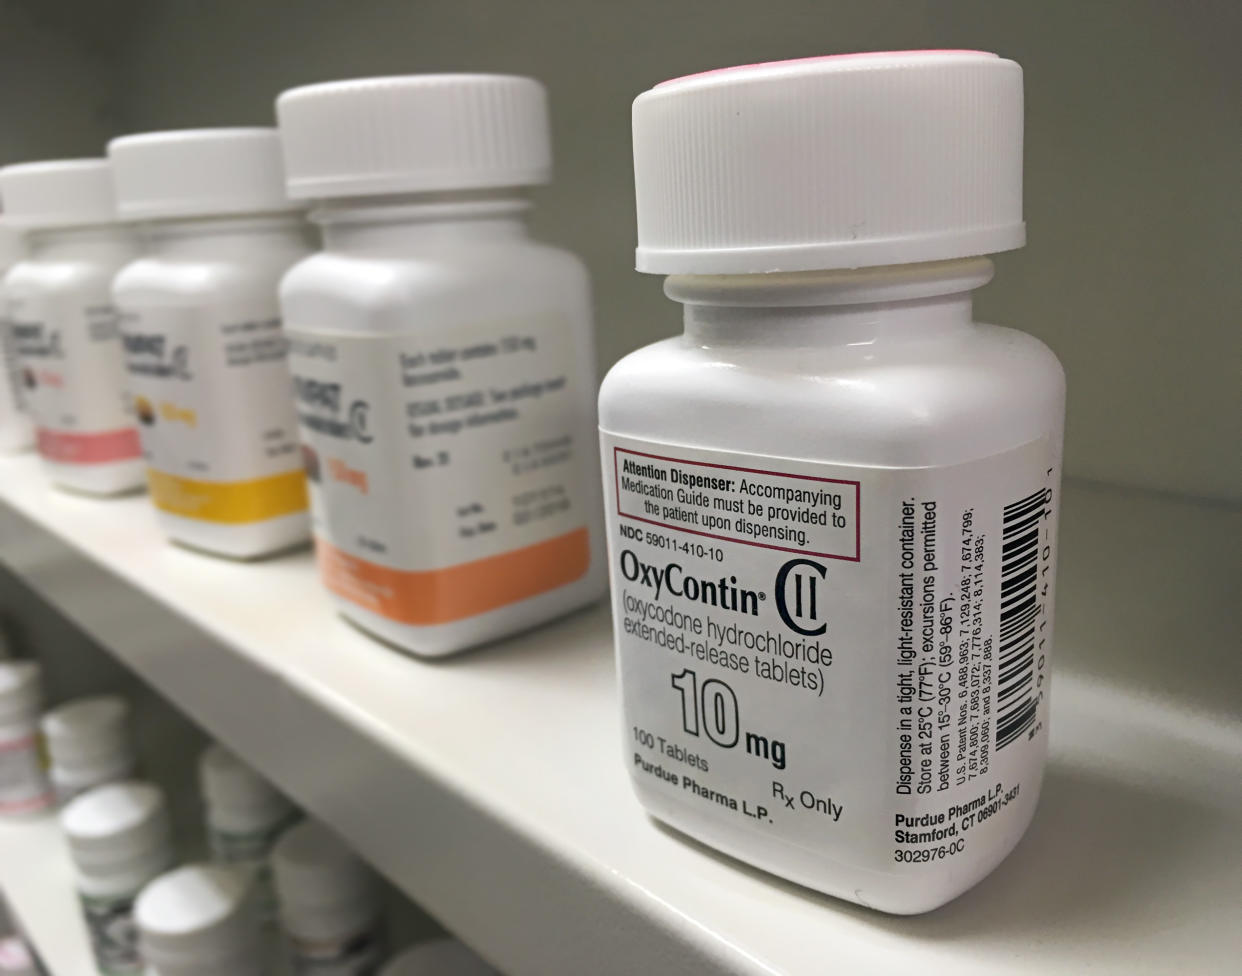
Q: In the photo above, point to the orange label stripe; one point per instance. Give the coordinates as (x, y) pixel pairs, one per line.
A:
(439, 596)
(229, 502)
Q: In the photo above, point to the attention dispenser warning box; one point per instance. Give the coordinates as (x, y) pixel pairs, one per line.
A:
(769, 509)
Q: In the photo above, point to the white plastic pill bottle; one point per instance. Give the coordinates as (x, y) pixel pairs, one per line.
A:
(438, 957)
(201, 920)
(832, 501)
(64, 326)
(329, 904)
(443, 361)
(24, 786)
(203, 343)
(245, 816)
(16, 431)
(119, 840)
(89, 744)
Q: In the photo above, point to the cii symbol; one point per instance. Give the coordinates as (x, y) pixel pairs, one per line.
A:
(798, 590)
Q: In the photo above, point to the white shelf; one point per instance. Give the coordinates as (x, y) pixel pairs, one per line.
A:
(37, 879)
(490, 787)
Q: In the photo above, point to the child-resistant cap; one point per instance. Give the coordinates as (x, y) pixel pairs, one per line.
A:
(198, 916)
(20, 694)
(416, 133)
(88, 731)
(438, 957)
(113, 825)
(62, 193)
(844, 161)
(324, 889)
(237, 797)
(198, 173)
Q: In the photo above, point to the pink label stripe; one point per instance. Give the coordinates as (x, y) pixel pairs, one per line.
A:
(100, 448)
(25, 806)
(15, 745)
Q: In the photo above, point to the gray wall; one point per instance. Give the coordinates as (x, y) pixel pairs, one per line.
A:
(1132, 158)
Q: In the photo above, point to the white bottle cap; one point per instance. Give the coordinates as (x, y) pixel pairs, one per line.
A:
(325, 891)
(89, 732)
(12, 250)
(114, 827)
(198, 173)
(837, 162)
(412, 134)
(20, 695)
(439, 957)
(238, 799)
(63, 193)
(200, 918)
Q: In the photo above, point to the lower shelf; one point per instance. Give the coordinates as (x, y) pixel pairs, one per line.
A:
(37, 879)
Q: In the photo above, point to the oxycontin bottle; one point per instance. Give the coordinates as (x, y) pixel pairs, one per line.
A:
(245, 816)
(89, 744)
(24, 786)
(329, 904)
(63, 324)
(442, 361)
(16, 431)
(832, 501)
(201, 920)
(438, 957)
(119, 839)
(202, 336)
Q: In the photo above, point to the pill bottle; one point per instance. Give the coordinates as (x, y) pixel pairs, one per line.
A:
(329, 904)
(88, 744)
(443, 362)
(244, 815)
(438, 957)
(119, 839)
(16, 431)
(200, 920)
(832, 501)
(24, 786)
(201, 329)
(63, 325)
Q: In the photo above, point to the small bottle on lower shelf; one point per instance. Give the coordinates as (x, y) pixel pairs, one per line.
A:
(329, 905)
(201, 920)
(24, 787)
(119, 839)
(89, 744)
(245, 816)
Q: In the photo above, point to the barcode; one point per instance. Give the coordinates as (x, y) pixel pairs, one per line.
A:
(1020, 609)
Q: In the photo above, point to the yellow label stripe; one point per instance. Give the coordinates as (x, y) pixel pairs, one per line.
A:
(231, 502)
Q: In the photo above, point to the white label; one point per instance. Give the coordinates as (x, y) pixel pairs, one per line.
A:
(72, 369)
(852, 660)
(11, 398)
(211, 394)
(73, 378)
(447, 473)
(252, 848)
(23, 777)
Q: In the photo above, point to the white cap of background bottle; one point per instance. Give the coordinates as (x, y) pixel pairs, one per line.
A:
(324, 889)
(89, 744)
(438, 957)
(200, 920)
(58, 193)
(414, 134)
(845, 161)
